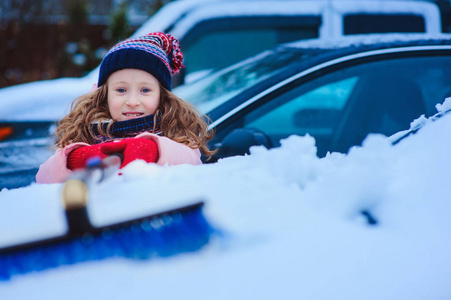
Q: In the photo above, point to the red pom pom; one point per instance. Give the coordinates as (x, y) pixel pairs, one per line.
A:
(171, 47)
(176, 56)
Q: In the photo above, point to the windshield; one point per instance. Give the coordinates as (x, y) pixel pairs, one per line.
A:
(214, 90)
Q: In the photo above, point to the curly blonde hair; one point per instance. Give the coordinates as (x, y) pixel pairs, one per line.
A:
(178, 120)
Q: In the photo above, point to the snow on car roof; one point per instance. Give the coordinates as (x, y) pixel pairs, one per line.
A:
(366, 39)
(245, 8)
(294, 7)
(168, 14)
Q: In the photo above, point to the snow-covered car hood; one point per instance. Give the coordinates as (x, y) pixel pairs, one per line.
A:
(47, 100)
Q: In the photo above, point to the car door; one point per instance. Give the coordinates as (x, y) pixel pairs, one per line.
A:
(339, 105)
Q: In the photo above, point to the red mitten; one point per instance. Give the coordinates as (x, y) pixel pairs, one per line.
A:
(77, 158)
(130, 150)
(139, 148)
(111, 148)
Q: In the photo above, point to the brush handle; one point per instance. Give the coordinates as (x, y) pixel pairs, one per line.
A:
(75, 191)
(74, 196)
(98, 169)
(78, 221)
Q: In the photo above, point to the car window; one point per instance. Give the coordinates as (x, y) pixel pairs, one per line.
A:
(340, 108)
(216, 89)
(315, 112)
(220, 49)
(217, 43)
(375, 23)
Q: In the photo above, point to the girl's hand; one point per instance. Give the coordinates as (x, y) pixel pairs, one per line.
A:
(77, 158)
(130, 149)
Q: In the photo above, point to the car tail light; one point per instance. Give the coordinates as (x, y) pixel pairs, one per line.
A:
(5, 132)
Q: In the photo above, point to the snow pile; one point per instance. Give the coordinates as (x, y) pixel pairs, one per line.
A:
(292, 224)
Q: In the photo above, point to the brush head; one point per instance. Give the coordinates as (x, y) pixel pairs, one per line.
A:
(164, 234)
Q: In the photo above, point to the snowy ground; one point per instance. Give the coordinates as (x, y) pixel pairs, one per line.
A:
(292, 224)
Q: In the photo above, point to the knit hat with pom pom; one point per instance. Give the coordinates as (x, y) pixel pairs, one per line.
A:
(156, 53)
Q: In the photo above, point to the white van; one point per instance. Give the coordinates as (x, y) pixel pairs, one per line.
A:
(217, 33)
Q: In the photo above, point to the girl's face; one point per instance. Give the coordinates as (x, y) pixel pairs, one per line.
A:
(132, 94)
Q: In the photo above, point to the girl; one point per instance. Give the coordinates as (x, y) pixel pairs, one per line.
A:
(132, 113)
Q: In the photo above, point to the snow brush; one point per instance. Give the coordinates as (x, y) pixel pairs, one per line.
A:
(183, 229)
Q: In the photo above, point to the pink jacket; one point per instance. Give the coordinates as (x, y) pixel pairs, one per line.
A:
(54, 170)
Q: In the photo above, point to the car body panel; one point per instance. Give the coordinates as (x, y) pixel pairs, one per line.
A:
(387, 68)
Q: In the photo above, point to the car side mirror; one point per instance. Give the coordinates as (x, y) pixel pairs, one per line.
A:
(239, 141)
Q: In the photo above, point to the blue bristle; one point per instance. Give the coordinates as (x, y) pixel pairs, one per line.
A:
(163, 236)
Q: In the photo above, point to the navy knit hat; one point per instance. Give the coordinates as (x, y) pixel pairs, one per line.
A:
(156, 53)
